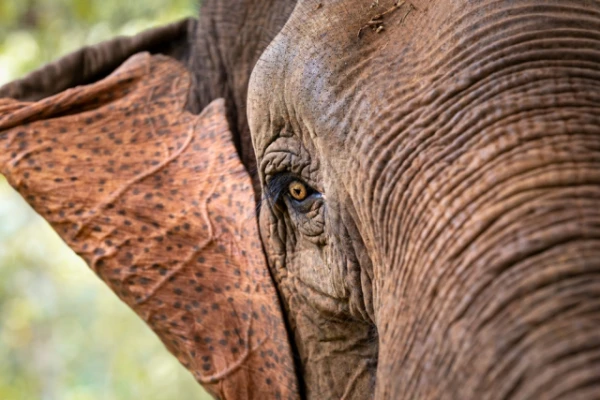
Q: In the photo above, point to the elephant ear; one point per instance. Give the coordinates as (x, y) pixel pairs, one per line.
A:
(158, 204)
(91, 63)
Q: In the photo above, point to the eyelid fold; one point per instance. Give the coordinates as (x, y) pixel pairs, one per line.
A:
(284, 161)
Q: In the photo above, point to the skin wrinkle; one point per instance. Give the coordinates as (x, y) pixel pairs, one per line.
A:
(519, 188)
(478, 289)
(488, 164)
(462, 54)
(474, 179)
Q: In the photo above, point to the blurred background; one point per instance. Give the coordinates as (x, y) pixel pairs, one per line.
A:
(63, 334)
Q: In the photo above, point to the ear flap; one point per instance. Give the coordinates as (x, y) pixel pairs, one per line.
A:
(92, 63)
(155, 199)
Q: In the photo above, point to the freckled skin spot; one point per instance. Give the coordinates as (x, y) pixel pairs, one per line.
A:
(132, 210)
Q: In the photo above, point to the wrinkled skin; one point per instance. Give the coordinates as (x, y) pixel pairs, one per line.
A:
(449, 242)
(453, 247)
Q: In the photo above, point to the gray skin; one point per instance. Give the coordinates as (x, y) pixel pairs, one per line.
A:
(451, 247)
(449, 244)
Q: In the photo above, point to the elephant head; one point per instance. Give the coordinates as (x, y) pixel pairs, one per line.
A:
(428, 176)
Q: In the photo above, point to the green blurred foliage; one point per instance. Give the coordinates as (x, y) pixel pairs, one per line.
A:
(63, 334)
(33, 32)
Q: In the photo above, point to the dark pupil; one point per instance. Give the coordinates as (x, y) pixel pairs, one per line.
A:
(297, 191)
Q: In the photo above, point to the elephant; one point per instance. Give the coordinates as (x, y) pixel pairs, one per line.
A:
(412, 204)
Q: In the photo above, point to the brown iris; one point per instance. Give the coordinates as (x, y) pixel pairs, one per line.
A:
(298, 190)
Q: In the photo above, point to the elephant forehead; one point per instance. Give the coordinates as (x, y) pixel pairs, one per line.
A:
(325, 68)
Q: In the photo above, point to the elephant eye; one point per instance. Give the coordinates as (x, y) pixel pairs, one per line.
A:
(290, 186)
(295, 201)
(298, 190)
